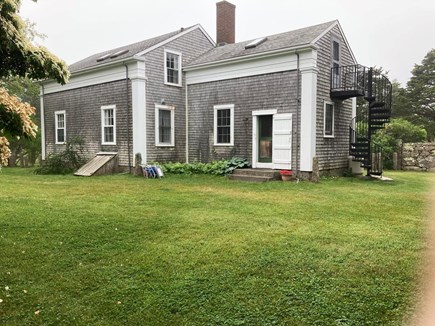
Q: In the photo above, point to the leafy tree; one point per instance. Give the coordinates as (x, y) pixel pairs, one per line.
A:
(421, 93)
(25, 150)
(20, 57)
(398, 131)
(401, 107)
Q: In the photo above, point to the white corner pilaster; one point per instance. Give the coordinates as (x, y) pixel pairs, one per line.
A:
(138, 95)
(308, 117)
(353, 111)
(42, 123)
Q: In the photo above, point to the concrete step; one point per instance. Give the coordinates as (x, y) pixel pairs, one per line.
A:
(255, 175)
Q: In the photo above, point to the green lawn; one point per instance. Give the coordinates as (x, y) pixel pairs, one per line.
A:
(200, 250)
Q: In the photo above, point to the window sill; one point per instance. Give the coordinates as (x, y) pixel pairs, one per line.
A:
(224, 145)
(328, 136)
(108, 144)
(165, 145)
(171, 84)
(57, 143)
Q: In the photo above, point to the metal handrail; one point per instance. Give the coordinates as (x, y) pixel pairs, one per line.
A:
(346, 78)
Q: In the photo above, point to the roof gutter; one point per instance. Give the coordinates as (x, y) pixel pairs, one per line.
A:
(305, 47)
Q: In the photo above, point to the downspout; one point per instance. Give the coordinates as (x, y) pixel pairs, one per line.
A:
(128, 118)
(43, 153)
(187, 124)
(298, 96)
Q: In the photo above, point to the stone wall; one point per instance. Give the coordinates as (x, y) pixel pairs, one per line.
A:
(418, 156)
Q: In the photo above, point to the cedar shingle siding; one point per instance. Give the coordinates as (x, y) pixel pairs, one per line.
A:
(172, 95)
(332, 153)
(83, 117)
(263, 92)
(269, 91)
(83, 105)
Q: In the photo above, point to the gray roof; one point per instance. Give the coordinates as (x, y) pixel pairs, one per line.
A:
(133, 49)
(296, 38)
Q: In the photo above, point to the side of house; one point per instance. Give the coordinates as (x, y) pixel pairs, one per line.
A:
(112, 99)
(177, 97)
(270, 102)
(333, 117)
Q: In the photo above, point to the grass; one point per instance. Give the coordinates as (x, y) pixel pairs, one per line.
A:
(198, 250)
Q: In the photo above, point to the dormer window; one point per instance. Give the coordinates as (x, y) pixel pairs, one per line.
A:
(172, 68)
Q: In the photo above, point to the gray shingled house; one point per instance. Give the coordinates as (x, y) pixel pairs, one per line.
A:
(284, 101)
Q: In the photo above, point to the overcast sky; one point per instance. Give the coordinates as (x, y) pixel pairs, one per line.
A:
(393, 34)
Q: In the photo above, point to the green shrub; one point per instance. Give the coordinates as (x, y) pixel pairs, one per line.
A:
(222, 167)
(66, 161)
(396, 132)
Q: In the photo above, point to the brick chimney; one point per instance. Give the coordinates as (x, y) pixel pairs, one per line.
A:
(225, 22)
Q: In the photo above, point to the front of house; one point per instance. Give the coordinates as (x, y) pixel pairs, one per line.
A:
(179, 97)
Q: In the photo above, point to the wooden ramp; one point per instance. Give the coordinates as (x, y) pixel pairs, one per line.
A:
(103, 163)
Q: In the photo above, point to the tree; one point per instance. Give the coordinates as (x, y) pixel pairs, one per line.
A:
(24, 150)
(395, 133)
(400, 107)
(421, 93)
(20, 57)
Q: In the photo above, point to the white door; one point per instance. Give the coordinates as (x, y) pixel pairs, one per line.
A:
(282, 141)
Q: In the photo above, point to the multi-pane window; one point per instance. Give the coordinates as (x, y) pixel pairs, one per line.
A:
(164, 125)
(335, 64)
(224, 124)
(60, 127)
(108, 125)
(328, 126)
(172, 68)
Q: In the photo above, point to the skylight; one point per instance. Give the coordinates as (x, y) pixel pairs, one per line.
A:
(104, 57)
(117, 54)
(112, 55)
(255, 43)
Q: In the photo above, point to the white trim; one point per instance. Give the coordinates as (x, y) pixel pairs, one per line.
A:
(252, 67)
(324, 119)
(255, 140)
(265, 112)
(336, 23)
(179, 84)
(308, 118)
(224, 107)
(255, 163)
(41, 99)
(261, 55)
(354, 101)
(139, 130)
(171, 109)
(97, 76)
(282, 142)
(335, 39)
(198, 26)
(261, 165)
(56, 127)
(187, 122)
(103, 108)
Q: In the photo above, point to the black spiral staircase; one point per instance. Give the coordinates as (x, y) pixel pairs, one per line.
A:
(369, 83)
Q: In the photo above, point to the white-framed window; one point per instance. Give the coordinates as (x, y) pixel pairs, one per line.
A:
(172, 68)
(328, 119)
(224, 125)
(164, 116)
(108, 125)
(335, 49)
(60, 124)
